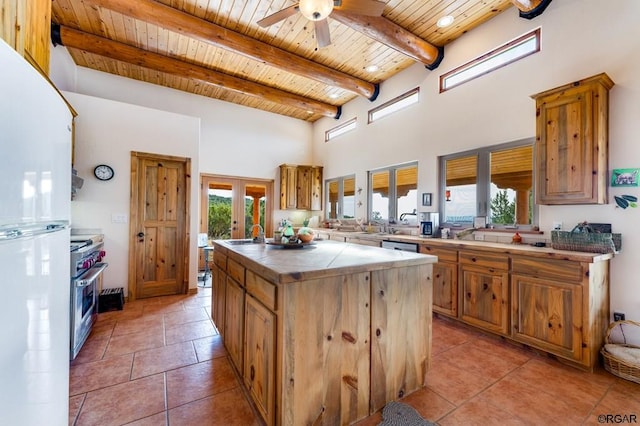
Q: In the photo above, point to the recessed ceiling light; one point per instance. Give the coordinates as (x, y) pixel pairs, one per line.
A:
(372, 68)
(334, 96)
(445, 21)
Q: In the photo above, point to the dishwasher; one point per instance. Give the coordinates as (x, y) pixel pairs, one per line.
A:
(396, 245)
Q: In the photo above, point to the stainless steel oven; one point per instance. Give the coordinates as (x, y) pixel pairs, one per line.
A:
(86, 281)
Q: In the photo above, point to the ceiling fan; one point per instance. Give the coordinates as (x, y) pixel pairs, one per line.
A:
(318, 11)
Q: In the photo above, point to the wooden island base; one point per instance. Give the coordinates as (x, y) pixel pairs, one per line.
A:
(326, 334)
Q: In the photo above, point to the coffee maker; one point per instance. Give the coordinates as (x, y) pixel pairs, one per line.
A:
(429, 224)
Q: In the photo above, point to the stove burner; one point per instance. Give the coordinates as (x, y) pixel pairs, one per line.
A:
(76, 245)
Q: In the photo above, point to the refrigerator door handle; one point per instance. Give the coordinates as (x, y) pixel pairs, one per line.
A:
(16, 231)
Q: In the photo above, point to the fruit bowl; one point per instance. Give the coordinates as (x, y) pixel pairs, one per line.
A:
(305, 235)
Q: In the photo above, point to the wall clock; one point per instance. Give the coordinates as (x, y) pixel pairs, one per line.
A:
(103, 172)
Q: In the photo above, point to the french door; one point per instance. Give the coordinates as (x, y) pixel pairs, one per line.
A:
(231, 206)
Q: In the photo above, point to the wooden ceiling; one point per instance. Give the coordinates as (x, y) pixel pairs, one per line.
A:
(215, 48)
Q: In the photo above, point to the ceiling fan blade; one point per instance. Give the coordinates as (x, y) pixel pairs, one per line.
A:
(362, 7)
(278, 16)
(322, 33)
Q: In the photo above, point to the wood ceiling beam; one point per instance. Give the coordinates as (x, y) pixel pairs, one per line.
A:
(122, 52)
(393, 35)
(529, 9)
(207, 32)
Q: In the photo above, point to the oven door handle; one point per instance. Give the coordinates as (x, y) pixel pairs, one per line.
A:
(91, 275)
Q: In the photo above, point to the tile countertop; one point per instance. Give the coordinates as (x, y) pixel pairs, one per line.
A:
(502, 248)
(318, 260)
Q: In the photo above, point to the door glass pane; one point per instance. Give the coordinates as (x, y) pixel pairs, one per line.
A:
(380, 195)
(332, 199)
(407, 194)
(254, 204)
(512, 185)
(460, 191)
(220, 196)
(349, 198)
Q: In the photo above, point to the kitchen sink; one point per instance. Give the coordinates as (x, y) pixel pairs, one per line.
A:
(240, 242)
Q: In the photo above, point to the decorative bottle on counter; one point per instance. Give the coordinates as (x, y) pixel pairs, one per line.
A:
(517, 239)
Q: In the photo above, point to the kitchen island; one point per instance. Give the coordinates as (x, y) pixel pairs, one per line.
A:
(327, 333)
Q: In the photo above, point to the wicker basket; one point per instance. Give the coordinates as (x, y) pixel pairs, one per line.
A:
(615, 365)
(583, 238)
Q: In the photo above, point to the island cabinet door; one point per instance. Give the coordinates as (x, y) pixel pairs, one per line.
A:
(234, 322)
(547, 314)
(400, 332)
(484, 298)
(325, 350)
(259, 356)
(218, 297)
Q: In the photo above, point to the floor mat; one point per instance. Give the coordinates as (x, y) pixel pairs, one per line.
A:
(399, 414)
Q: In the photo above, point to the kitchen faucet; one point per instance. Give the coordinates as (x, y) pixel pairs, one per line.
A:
(260, 237)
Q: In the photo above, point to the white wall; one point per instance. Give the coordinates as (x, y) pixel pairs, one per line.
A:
(580, 38)
(231, 140)
(106, 133)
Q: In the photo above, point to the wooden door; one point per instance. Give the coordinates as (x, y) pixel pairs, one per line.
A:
(158, 254)
(259, 357)
(230, 206)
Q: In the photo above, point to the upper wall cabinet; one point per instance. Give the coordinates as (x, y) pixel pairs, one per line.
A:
(26, 26)
(300, 187)
(572, 126)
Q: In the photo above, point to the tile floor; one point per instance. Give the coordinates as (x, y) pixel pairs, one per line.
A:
(161, 362)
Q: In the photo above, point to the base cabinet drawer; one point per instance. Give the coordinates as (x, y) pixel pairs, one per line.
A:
(548, 315)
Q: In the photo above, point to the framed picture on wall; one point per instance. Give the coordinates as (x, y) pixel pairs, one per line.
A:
(625, 177)
(426, 198)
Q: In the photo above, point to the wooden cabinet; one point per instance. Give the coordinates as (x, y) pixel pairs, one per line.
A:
(26, 26)
(445, 279)
(484, 291)
(259, 357)
(330, 349)
(556, 303)
(561, 307)
(288, 187)
(234, 322)
(572, 142)
(300, 187)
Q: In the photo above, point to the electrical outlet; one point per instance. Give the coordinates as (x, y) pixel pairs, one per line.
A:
(618, 316)
(479, 237)
(118, 218)
(557, 226)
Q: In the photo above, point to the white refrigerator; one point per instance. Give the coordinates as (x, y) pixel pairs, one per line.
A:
(35, 190)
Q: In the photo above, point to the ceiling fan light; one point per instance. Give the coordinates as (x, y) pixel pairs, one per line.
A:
(315, 10)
